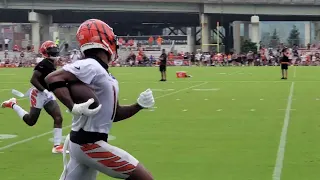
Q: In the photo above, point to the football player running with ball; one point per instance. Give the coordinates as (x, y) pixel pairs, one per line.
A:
(40, 97)
(90, 151)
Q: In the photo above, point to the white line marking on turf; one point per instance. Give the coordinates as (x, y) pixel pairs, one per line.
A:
(219, 110)
(235, 72)
(286, 109)
(283, 138)
(252, 110)
(175, 92)
(233, 99)
(28, 139)
(213, 89)
(5, 90)
(50, 132)
(162, 89)
(294, 71)
(185, 110)
(206, 99)
(178, 99)
(261, 99)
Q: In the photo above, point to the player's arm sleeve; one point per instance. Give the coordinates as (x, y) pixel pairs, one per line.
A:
(83, 71)
(57, 83)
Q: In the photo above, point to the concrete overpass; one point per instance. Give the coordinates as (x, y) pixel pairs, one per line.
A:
(187, 13)
(261, 7)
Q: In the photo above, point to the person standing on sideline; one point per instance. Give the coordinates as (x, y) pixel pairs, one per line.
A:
(163, 65)
(285, 63)
(57, 41)
(6, 43)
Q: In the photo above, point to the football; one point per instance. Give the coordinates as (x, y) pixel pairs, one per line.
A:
(81, 93)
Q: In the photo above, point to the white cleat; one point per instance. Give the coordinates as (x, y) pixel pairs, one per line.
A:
(58, 150)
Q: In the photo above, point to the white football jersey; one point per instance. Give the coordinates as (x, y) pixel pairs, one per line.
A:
(106, 88)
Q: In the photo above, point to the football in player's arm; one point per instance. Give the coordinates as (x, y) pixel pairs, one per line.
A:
(57, 82)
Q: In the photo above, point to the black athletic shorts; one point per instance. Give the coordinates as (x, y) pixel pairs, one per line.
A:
(284, 66)
(163, 68)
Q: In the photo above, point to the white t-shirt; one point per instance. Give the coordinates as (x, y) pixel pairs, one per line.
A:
(207, 57)
(106, 88)
(6, 41)
(198, 56)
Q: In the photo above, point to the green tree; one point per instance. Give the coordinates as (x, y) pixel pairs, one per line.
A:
(247, 46)
(265, 38)
(294, 36)
(275, 40)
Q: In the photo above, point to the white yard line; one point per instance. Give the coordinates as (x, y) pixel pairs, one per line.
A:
(175, 92)
(235, 72)
(29, 139)
(50, 132)
(283, 138)
(295, 72)
(5, 90)
(212, 89)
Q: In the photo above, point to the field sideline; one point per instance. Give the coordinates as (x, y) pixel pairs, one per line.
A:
(225, 123)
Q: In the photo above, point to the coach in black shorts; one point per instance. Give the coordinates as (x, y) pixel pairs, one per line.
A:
(285, 63)
(163, 65)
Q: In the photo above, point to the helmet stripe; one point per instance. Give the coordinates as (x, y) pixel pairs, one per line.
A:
(99, 33)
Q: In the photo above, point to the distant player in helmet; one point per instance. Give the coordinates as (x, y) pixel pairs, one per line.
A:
(40, 97)
(89, 149)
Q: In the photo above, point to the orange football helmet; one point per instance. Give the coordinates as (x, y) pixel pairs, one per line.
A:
(49, 49)
(94, 33)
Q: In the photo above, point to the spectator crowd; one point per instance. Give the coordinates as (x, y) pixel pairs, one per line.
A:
(309, 56)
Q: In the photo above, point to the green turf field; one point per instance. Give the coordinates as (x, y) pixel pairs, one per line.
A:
(222, 124)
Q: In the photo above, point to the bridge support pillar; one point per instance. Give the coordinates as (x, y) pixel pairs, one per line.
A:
(255, 30)
(307, 33)
(40, 25)
(246, 30)
(317, 30)
(228, 40)
(205, 32)
(236, 37)
(191, 35)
